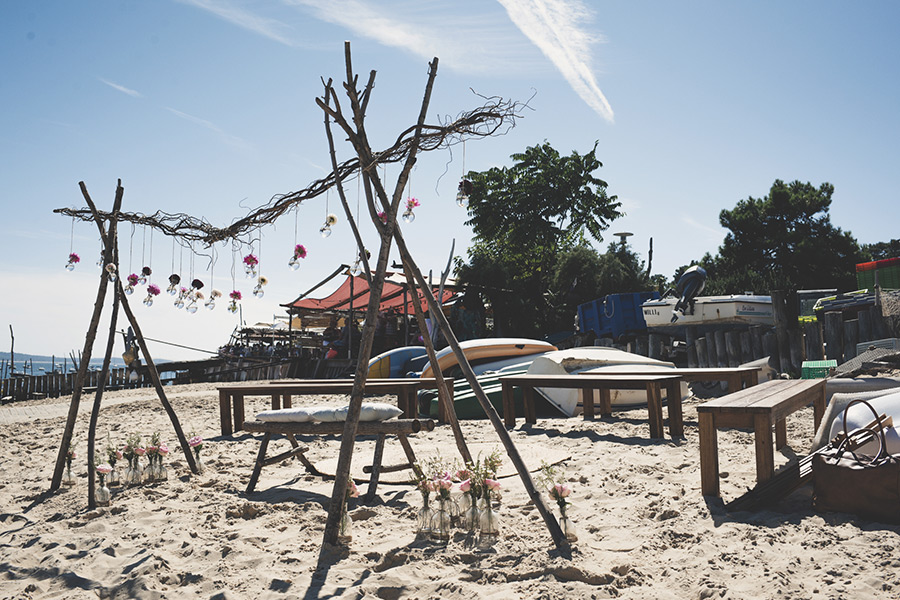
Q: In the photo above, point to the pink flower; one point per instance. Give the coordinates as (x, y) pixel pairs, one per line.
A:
(412, 203)
(104, 469)
(299, 251)
(195, 441)
(74, 258)
(133, 279)
(444, 484)
(140, 451)
(163, 449)
(118, 454)
(235, 295)
(153, 289)
(492, 484)
(561, 490)
(463, 474)
(250, 260)
(152, 449)
(383, 216)
(352, 490)
(465, 485)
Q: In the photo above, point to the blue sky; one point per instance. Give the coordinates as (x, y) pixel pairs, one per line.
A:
(208, 107)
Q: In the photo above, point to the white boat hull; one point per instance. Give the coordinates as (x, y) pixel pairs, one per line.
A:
(595, 359)
(711, 311)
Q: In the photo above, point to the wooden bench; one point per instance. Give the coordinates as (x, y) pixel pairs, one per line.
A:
(587, 383)
(758, 408)
(399, 427)
(231, 397)
(736, 377)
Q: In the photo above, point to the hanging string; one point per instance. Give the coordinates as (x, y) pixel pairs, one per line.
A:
(143, 246)
(150, 257)
(173, 255)
(72, 238)
(131, 247)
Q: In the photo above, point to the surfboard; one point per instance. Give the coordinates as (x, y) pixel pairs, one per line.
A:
(487, 348)
(392, 362)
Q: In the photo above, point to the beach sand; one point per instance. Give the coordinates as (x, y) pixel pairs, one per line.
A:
(645, 531)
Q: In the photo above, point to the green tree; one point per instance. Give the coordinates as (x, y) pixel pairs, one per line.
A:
(882, 250)
(784, 240)
(522, 218)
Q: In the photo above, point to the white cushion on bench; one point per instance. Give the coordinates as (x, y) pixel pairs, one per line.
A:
(286, 415)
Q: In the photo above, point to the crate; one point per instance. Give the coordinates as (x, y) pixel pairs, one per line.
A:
(888, 343)
(615, 315)
(817, 369)
(888, 274)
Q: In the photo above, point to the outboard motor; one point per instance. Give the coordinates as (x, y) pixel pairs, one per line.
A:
(689, 285)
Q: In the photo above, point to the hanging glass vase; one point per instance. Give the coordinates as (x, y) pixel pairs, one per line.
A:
(129, 289)
(294, 264)
(102, 494)
(325, 230)
(441, 523)
(489, 523)
(408, 216)
(345, 527)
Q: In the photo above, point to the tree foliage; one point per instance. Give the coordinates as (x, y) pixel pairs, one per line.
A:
(784, 240)
(523, 218)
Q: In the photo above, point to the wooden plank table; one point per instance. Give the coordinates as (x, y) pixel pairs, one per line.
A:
(758, 408)
(587, 383)
(231, 397)
(735, 377)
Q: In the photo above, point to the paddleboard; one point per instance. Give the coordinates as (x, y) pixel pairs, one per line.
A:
(487, 348)
(392, 362)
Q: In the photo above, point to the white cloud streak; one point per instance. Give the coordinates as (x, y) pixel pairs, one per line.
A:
(270, 28)
(121, 88)
(226, 137)
(554, 26)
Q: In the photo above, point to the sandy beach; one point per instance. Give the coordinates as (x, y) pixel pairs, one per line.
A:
(645, 531)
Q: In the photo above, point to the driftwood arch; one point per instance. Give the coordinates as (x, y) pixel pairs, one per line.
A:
(494, 117)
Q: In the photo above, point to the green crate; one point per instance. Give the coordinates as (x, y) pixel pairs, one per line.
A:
(817, 369)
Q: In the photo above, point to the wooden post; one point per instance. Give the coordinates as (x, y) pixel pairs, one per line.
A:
(781, 330)
(770, 344)
(701, 351)
(655, 346)
(641, 345)
(865, 325)
(795, 339)
(733, 347)
(813, 339)
(851, 338)
(721, 348)
(834, 335)
(746, 347)
(712, 356)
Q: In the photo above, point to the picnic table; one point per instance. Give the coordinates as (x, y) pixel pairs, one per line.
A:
(231, 397)
(587, 383)
(758, 408)
(735, 377)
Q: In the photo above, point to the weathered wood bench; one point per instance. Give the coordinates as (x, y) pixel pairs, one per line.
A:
(587, 383)
(736, 377)
(758, 408)
(231, 397)
(399, 427)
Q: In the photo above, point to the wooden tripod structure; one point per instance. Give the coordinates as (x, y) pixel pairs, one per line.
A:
(492, 118)
(110, 257)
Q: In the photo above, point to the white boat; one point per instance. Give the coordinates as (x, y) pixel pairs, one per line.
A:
(703, 311)
(595, 359)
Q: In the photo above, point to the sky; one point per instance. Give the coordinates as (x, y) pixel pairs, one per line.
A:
(207, 107)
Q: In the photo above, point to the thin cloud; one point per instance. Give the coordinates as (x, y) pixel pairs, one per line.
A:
(554, 26)
(463, 42)
(270, 28)
(226, 137)
(713, 233)
(121, 88)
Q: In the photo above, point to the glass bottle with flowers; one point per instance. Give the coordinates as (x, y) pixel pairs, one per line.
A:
(74, 259)
(250, 262)
(554, 482)
(133, 280)
(146, 272)
(150, 471)
(345, 527)
(299, 253)
(235, 296)
(174, 280)
(140, 473)
(489, 523)
(425, 487)
(470, 486)
(152, 292)
(102, 495)
(408, 215)
(196, 443)
(68, 477)
(133, 471)
(442, 522)
(113, 456)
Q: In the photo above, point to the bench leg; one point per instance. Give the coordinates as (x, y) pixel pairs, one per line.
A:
(654, 407)
(260, 459)
(780, 434)
(407, 449)
(286, 401)
(765, 456)
(225, 412)
(238, 402)
(376, 468)
(676, 414)
(605, 402)
(587, 401)
(735, 382)
(509, 406)
(276, 401)
(709, 455)
(530, 414)
(403, 404)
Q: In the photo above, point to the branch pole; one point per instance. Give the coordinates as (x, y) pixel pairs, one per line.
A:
(89, 337)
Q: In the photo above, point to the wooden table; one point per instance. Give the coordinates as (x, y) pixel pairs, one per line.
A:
(231, 397)
(758, 408)
(735, 377)
(587, 383)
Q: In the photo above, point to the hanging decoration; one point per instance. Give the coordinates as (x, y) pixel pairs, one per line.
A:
(465, 190)
(132, 281)
(411, 203)
(330, 220)
(111, 271)
(299, 252)
(258, 289)
(73, 258)
(146, 272)
(213, 293)
(152, 292)
(235, 296)
(250, 262)
(194, 295)
(211, 303)
(174, 280)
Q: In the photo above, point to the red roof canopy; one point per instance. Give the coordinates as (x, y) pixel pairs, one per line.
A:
(392, 298)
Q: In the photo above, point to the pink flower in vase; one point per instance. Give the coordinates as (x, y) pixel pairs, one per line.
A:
(140, 451)
(163, 450)
(299, 251)
(250, 260)
(74, 258)
(153, 289)
(133, 279)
